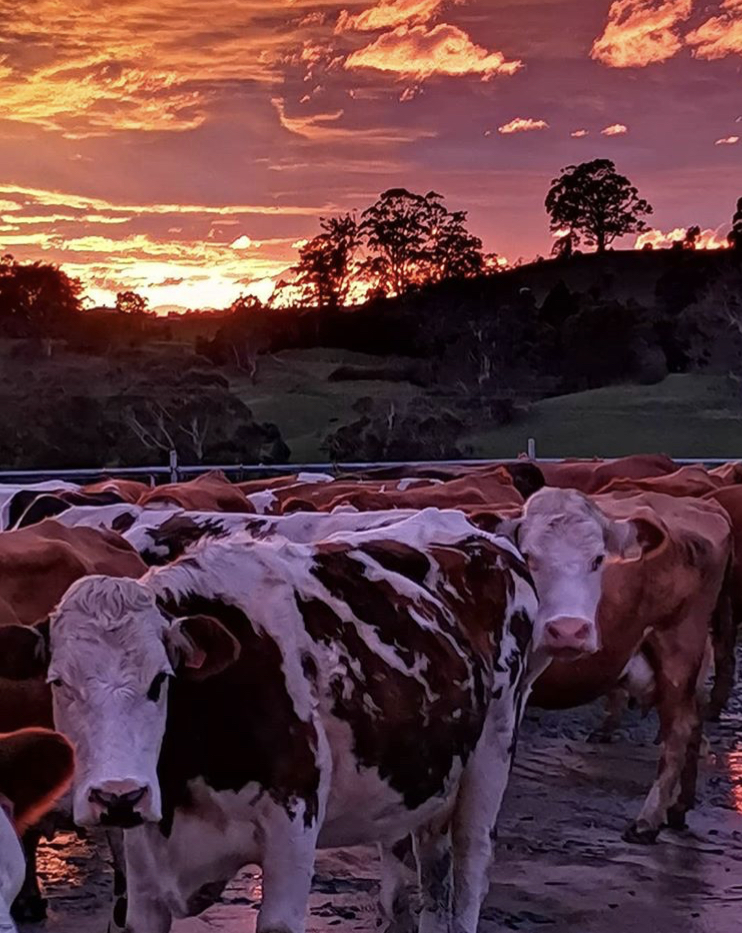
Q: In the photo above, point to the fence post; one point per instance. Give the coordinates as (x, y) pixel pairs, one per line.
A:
(531, 448)
(173, 466)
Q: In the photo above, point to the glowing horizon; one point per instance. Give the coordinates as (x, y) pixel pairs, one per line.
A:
(183, 155)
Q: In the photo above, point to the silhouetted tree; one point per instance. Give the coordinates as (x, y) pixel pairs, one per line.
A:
(324, 272)
(564, 247)
(37, 300)
(130, 302)
(735, 237)
(593, 201)
(413, 239)
(692, 236)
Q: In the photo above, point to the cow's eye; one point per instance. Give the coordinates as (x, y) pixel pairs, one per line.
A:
(57, 682)
(156, 686)
(598, 562)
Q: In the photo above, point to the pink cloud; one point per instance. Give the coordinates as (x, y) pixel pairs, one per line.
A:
(727, 141)
(522, 125)
(419, 52)
(580, 134)
(616, 129)
(641, 32)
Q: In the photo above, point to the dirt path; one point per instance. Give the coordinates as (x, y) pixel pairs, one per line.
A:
(561, 866)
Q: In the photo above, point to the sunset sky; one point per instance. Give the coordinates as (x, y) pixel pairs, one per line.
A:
(184, 147)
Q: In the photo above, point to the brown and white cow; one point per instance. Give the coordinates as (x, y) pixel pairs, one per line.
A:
(257, 699)
(655, 610)
(211, 492)
(35, 769)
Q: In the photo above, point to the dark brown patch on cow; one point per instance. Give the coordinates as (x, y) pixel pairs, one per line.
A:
(410, 736)
(521, 625)
(178, 533)
(238, 727)
(527, 477)
(409, 733)
(399, 558)
(123, 522)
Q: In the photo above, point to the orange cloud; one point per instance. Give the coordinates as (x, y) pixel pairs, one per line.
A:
(641, 32)
(135, 65)
(522, 125)
(321, 127)
(389, 14)
(616, 129)
(727, 141)
(720, 35)
(709, 239)
(419, 52)
(579, 134)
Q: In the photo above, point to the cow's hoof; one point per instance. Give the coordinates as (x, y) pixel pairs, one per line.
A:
(641, 837)
(29, 909)
(676, 820)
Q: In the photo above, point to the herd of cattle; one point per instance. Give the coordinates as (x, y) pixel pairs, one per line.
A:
(247, 672)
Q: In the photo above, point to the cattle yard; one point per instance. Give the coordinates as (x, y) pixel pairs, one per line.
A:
(396, 616)
(561, 864)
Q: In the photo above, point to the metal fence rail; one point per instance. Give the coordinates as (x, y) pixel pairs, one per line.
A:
(174, 470)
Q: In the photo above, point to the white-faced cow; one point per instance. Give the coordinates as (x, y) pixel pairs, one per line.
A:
(659, 606)
(256, 699)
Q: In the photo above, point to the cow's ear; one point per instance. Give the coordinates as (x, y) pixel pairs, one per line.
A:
(200, 647)
(634, 539)
(24, 651)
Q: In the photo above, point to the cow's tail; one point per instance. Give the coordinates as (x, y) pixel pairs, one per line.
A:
(725, 624)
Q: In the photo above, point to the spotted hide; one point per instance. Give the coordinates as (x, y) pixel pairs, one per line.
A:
(257, 699)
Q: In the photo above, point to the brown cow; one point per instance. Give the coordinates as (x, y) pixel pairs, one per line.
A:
(35, 769)
(589, 476)
(211, 492)
(693, 481)
(128, 490)
(467, 493)
(729, 474)
(37, 565)
(655, 614)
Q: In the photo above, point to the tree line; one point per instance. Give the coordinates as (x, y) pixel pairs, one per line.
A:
(402, 242)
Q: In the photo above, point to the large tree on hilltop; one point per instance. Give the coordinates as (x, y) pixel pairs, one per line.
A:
(413, 239)
(593, 201)
(325, 269)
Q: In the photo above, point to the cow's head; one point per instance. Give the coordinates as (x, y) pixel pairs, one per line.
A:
(566, 541)
(109, 653)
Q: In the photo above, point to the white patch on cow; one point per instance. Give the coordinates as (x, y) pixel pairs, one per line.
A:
(307, 478)
(262, 502)
(410, 482)
(97, 516)
(12, 871)
(9, 490)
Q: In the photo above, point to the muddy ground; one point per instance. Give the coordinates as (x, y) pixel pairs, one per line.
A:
(561, 865)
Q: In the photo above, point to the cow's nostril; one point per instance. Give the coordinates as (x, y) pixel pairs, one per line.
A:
(116, 801)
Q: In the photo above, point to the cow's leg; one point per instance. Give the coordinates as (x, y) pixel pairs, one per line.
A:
(679, 714)
(481, 791)
(687, 798)
(615, 704)
(145, 911)
(398, 896)
(115, 839)
(434, 867)
(30, 905)
(288, 866)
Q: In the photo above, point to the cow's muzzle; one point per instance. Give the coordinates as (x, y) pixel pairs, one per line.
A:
(567, 638)
(119, 804)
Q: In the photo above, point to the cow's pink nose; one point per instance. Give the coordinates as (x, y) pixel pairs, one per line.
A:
(567, 635)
